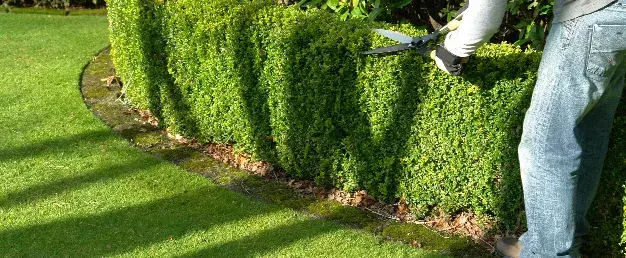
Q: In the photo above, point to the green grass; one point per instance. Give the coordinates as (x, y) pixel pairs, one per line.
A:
(71, 187)
(53, 11)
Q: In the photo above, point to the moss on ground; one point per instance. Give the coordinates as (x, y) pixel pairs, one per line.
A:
(97, 92)
(426, 238)
(334, 210)
(148, 139)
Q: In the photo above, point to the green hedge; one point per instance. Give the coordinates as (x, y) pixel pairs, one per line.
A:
(139, 50)
(293, 88)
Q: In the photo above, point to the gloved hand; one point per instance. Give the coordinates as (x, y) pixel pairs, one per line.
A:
(448, 62)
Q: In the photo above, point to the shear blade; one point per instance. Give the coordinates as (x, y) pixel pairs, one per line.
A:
(395, 36)
(390, 49)
(427, 38)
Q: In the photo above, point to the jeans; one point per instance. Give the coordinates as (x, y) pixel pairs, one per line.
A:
(567, 126)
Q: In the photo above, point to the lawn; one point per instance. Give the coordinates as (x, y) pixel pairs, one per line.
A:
(71, 187)
(52, 11)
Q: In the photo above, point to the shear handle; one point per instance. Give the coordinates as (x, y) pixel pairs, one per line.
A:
(450, 26)
(454, 23)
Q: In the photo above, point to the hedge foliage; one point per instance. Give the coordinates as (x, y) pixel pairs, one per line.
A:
(293, 88)
(139, 50)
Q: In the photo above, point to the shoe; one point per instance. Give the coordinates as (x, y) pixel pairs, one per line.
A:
(509, 247)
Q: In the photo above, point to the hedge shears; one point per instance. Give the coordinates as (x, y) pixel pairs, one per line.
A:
(425, 46)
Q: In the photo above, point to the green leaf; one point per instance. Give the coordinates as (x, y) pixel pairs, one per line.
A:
(401, 3)
(306, 3)
(377, 4)
(372, 16)
(344, 16)
(301, 3)
(357, 12)
(521, 42)
(332, 4)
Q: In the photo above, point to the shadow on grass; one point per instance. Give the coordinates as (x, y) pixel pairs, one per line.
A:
(282, 236)
(54, 145)
(42, 191)
(258, 244)
(123, 230)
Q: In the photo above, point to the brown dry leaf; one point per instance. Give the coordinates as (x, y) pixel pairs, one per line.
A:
(402, 213)
(462, 220)
(402, 207)
(369, 200)
(333, 194)
(309, 189)
(195, 144)
(153, 121)
(440, 222)
(181, 139)
(361, 198)
(319, 192)
(358, 199)
(341, 197)
(111, 79)
(169, 134)
(145, 115)
(241, 162)
(415, 243)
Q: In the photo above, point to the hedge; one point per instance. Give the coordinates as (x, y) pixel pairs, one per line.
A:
(293, 88)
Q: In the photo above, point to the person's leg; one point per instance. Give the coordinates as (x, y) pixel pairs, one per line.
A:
(549, 152)
(575, 97)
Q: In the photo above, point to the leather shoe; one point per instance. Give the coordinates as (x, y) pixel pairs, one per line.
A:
(509, 247)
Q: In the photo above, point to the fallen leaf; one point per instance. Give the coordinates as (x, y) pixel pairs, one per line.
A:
(358, 200)
(110, 80)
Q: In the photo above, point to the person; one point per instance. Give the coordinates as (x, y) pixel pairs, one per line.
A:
(566, 128)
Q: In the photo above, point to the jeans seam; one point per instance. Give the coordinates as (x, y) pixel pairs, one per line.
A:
(569, 28)
(588, 50)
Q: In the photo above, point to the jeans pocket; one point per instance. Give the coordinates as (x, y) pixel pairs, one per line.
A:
(606, 51)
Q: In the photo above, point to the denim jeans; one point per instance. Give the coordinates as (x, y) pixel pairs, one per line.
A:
(567, 126)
